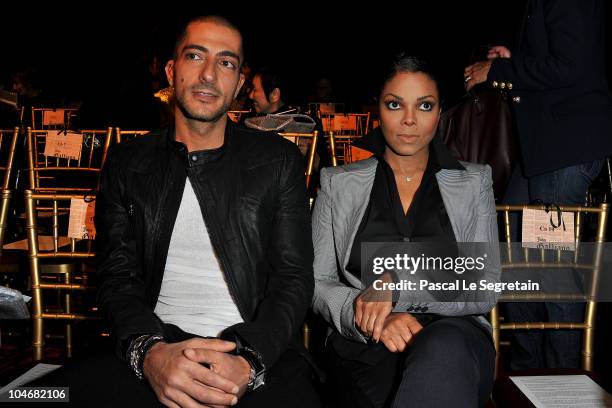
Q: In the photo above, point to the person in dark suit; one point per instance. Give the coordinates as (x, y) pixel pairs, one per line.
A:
(563, 106)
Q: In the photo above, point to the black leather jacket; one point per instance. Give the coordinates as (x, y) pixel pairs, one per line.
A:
(254, 204)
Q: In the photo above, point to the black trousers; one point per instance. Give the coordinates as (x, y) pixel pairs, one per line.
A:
(105, 381)
(450, 363)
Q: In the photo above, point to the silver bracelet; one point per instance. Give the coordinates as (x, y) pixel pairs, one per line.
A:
(138, 349)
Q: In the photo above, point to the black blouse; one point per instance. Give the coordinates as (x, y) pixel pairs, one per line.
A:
(384, 219)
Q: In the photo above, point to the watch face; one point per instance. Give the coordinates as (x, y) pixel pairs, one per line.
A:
(260, 380)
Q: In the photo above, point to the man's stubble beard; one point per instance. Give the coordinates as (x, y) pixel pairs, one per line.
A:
(212, 117)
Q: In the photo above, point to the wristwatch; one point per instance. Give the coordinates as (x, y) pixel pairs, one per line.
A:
(257, 377)
(258, 373)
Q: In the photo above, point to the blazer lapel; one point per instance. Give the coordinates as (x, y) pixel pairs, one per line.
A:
(351, 194)
(459, 191)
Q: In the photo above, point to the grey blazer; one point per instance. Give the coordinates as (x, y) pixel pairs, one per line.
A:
(341, 203)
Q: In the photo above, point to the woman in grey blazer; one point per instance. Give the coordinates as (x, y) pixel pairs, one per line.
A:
(396, 352)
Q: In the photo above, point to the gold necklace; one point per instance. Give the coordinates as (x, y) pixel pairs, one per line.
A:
(410, 178)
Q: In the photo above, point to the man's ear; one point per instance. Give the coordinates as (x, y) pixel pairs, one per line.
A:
(241, 80)
(275, 95)
(170, 72)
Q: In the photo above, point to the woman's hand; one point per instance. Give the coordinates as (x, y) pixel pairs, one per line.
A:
(499, 51)
(371, 308)
(476, 73)
(399, 330)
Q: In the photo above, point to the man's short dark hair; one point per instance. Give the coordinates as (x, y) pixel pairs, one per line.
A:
(270, 80)
(222, 21)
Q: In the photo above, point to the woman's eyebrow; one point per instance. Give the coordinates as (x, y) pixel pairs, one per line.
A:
(420, 98)
(395, 96)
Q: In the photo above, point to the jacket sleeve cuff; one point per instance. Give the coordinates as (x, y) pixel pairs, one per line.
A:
(347, 320)
(500, 74)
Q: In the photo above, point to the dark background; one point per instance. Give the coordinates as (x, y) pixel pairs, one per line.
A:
(98, 54)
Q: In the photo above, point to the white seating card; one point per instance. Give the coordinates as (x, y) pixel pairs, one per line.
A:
(80, 224)
(539, 232)
(342, 122)
(64, 146)
(53, 117)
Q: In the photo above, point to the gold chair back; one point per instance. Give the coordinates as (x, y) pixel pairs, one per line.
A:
(535, 258)
(51, 172)
(345, 128)
(332, 149)
(311, 140)
(124, 135)
(52, 118)
(46, 254)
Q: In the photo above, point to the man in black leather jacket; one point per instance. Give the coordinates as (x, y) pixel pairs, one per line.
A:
(250, 190)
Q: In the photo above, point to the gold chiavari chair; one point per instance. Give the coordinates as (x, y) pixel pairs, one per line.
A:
(332, 149)
(355, 124)
(347, 152)
(311, 139)
(52, 118)
(61, 175)
(48, 173)
(125, 135)
(346, 128)
(9, 260)
(46, 251)
(8, 144)
(535, 259)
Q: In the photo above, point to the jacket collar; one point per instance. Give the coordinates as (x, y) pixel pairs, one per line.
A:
(228, 140)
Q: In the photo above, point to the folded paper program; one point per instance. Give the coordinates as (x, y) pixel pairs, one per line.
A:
(13, 304)
(293, 123)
